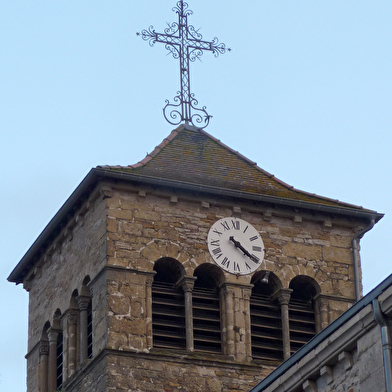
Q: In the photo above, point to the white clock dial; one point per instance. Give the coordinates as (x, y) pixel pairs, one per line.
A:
(235, 245)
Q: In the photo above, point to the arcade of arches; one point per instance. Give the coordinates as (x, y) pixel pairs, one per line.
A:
(204, 313)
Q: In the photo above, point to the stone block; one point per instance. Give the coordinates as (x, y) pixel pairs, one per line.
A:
(307, 252)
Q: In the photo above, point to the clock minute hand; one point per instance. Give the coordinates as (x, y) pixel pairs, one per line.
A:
(237, 244)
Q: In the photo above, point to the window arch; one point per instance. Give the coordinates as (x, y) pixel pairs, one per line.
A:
(168, 305)
(302, 311)
(266, 321)
(206, 309)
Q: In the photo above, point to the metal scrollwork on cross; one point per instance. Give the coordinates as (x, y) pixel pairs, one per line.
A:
(185, 43)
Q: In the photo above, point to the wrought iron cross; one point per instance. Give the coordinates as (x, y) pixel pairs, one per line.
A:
(186, 44)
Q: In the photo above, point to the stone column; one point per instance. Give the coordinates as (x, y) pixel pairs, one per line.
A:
(83, 302)
(322, 310)
(52, 364)
(43, 366)
(149, 281)
(283, 296)
(246, 293)
(187, 284)
(72, 319)
(229, 305)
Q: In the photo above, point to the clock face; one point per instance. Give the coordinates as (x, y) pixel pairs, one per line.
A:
(235, 245)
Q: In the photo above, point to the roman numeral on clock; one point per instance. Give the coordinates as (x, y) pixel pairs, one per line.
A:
(225, 225)
(254, 238)
(217, 252)
(225, 262)
(256, 248)
(236, 224)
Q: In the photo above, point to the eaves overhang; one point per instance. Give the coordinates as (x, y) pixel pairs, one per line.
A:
(97, 175)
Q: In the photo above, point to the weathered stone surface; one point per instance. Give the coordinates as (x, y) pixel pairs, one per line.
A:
(117, 246)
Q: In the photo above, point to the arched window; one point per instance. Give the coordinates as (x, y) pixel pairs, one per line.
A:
(265, 314)
(302, 311)
(206, 309)
(168, 305)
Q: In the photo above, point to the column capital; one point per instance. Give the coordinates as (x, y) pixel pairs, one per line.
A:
(44, 347)
(228, 288)
(149, 281)
(53, 334)
(247, 292)
(72, 316)
(322, 301)
(83, 302)
(283, 296)
(187, 283)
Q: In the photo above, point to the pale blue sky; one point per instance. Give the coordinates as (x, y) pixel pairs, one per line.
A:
(306, 93)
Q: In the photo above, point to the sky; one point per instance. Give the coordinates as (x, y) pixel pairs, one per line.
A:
(306, 93)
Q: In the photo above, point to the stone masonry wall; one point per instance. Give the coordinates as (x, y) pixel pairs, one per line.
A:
(117, 239)
(160, 374)
(78, 251)
(141, 229)
(361, 370)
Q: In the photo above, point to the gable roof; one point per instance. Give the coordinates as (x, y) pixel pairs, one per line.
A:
(191, 155)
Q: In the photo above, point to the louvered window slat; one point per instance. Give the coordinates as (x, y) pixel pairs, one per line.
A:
(302, 323)
(206, 320)
(266, 328)
(168, 316)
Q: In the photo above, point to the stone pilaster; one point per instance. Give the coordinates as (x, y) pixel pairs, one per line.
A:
(72, 321)
(187, 284)
(43, 366)
(149, 282)
(246, 294)
(83, 302)
(283, 296)
(52, 360)
(228, 294)
(321, 310)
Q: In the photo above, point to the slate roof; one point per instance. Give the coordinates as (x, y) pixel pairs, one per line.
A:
(193, 156)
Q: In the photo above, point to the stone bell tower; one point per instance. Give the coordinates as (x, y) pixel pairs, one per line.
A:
(192, 270)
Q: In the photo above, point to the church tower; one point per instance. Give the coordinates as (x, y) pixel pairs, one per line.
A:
(192, 270)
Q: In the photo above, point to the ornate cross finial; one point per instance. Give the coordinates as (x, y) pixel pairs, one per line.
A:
(186, 44)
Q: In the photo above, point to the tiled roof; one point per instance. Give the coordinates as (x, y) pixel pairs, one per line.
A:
(192, 155)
